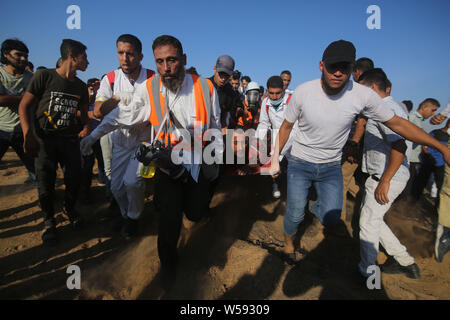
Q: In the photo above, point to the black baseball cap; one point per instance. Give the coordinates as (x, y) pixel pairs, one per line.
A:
(339, 51)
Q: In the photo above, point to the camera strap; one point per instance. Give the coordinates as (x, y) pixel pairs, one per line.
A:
(170, 114)
(166, 117)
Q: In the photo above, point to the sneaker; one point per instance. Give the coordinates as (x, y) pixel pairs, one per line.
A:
(442, 244)
(275, 191)
(49, 234)
(130, 228)
(412, 271)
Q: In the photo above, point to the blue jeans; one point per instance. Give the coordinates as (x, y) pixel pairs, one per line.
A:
(327, 180)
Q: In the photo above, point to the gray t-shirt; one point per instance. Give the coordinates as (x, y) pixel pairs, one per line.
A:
(12, 86)
(324, 121)
(377, 145)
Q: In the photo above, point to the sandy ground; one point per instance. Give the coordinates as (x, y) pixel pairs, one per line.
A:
(232, 255)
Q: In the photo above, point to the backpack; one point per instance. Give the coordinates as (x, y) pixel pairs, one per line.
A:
(287, 102)
(112, 76)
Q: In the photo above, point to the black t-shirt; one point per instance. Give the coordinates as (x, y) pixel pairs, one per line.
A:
(229, 100)
(59, 101)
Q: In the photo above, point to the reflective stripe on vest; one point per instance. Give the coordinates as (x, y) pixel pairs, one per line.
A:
(158, 111)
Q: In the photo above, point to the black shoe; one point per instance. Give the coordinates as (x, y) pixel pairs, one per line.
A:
(130, 228)
(412, 271)
(442, 244)
(49, 234)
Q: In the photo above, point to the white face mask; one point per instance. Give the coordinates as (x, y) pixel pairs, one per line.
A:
(448, 131)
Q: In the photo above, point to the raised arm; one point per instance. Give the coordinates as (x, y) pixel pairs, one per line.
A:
(412, 132)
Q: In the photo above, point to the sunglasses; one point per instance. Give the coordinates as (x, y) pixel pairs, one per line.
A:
(344, 67)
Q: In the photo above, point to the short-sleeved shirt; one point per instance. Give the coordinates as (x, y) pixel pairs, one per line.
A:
(59, 100)
(122, 83)
(324, 121)
(12, 86)
(377, 145)
(414, 149)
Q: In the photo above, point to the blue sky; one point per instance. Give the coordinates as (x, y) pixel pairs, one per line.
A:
(264, 37)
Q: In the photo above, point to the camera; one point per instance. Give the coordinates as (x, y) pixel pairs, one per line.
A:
(159, 156)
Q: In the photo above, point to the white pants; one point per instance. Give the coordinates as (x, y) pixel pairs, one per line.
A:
(373, 229)
(106, 144)
(127, 185)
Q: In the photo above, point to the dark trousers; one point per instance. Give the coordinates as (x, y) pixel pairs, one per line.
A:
(408, 192)
(424, 175)
(15, 140)
(66, 152)
(173, 197)
(88, 165)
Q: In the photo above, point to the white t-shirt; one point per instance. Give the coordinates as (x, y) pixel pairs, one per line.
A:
(324, 121)
(123, 136)
(273, 120)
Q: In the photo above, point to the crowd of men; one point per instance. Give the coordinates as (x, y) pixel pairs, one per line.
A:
(340, 136)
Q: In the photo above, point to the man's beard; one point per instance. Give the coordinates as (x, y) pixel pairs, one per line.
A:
(19, 66)
(130, 71)
(330, 90)
(175, 83)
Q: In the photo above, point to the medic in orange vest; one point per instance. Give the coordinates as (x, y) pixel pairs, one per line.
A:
(249, 116)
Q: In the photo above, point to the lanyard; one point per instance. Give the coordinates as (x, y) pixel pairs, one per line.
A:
(169, 107)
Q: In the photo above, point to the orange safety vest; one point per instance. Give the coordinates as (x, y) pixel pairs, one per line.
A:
(247, 121)
(203, 106)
